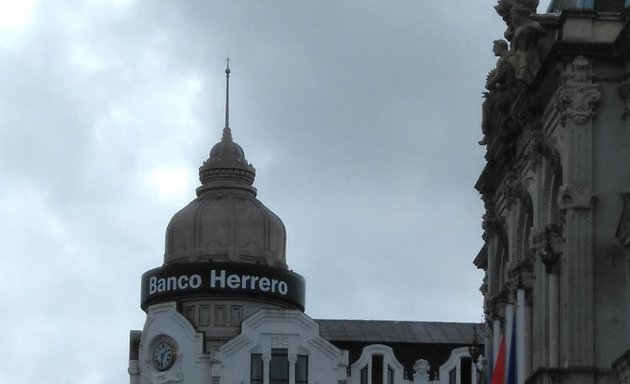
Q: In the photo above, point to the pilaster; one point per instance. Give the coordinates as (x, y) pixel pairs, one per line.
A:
(577, 98)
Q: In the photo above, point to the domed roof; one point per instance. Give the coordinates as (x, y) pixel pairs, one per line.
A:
(226, 222)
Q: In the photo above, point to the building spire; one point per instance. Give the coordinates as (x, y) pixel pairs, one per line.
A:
(227, 132)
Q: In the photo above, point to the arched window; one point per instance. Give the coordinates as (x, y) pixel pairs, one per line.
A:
(377, 365)
(459, 368)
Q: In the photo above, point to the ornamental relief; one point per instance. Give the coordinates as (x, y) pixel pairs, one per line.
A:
(578, 97)
(579, 196)
(539, 148)
(514, 189)
(492, 225)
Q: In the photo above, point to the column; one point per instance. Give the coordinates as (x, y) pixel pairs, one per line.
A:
(554, 320)
(509, 329)
(523, 337)
(266, 358)
(527, 345)
(292, 361)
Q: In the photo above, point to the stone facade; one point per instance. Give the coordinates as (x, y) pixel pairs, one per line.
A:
(555, 192)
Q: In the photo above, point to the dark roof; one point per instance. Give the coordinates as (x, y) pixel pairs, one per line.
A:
(381, 331)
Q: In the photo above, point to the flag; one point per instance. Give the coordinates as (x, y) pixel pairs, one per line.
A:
(498, 373)
(489, 366)
(511, 365)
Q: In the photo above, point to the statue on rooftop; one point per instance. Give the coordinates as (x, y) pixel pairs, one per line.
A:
(498, 95)
(504, 7)
(524, 56)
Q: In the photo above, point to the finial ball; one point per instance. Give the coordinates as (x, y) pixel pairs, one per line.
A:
(227, 71)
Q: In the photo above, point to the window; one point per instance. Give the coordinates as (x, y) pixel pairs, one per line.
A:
(377, 369)
(459, 368)
(466, 374)
(301, 370)
(278, 368)
(256, 376)
(376, 365)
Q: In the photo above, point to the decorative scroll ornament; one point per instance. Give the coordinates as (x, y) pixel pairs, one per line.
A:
(577, 97)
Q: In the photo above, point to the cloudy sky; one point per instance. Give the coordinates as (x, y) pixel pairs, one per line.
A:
(361, 117)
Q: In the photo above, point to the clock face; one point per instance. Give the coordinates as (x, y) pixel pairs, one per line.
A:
(163, 356)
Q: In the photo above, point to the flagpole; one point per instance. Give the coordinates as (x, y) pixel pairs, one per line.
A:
(521, 330)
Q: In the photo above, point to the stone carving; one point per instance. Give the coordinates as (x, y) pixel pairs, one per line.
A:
(540, 147)
(504, 7)
(548, 239)
(525, 33)
(492, 225)
(521, 272)
(499, 95)
(576, 196)
(624, 92)
(421, 370)
(577, 96)
(535, 149)
(516, 68)
(513, 188)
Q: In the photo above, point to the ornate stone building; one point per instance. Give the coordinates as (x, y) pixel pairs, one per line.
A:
(224, 307)
(556, 127)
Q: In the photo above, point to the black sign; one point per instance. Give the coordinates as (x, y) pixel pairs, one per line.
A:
(178, 281)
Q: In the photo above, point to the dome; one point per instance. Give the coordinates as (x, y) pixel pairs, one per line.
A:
(226, 222)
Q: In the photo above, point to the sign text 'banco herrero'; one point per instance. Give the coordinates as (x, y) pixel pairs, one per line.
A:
(171, 282)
